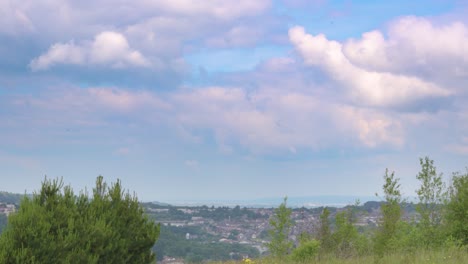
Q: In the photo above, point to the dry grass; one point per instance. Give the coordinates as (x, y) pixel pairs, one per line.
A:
(447, 256)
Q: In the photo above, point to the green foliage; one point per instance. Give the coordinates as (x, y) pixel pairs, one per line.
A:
(437, 234)
(306, 251)
(457, 208)
(431, 196)
(344, 234)
(173, 243)
(57, 226)
(346, 239)
(324, 231)
(3, 222)
(281, 223)
(391, 214)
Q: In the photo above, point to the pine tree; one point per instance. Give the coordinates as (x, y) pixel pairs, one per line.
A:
(57, 226)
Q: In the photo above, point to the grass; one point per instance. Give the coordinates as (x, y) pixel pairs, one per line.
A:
(445, 256)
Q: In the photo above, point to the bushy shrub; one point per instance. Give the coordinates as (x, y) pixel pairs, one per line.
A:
(306, 251)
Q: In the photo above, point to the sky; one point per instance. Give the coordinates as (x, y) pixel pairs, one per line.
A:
(232, 99)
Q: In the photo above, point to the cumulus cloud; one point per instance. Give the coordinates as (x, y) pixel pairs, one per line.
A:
(108, 48)
(258, 121)
(364, 86)
(157, 34)
(415, 45)
(59, 53)
(112, 48)
(286, 120)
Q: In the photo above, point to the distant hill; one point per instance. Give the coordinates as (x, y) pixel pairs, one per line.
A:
(294, 202)
(10, 198)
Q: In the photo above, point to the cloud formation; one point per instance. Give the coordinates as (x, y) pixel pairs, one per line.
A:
(364, 86)
(413, 45)
(108, 49)
(260, 122)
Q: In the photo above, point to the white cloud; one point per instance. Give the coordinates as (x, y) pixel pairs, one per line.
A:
(112, 48)
(267, 120)
(413, 44)
(363, 86)
(259, 121)
(373, 128)
(60, 53)
(108, 48)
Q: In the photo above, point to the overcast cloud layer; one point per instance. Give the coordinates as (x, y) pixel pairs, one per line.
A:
(231, 99)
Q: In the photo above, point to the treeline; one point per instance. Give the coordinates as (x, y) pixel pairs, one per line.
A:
(10, 198)
(215, 213)
(442, 222)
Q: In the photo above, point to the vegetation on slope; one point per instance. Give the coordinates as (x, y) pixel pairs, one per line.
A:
(438, 235)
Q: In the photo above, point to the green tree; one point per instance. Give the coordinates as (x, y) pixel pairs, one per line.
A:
(306, 251)
(457, 207)
(57, 226)
(344, 235)
(280, 223)
(391, 213)
(3, 222)
(346, 239)
(431, 196)
(324, 233)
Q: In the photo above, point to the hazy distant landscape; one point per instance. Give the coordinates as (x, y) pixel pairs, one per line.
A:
(306, 230)
(308, 202)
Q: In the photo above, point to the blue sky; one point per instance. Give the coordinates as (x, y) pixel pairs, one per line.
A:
(190, 100)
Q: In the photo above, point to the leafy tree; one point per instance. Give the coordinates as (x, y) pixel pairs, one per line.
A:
(324, 231)
(431, 198)
(280, 223)
(391, 213)
(57, 226)
(346, 239)
(344, 234)
(457, 207)
(3, 222)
